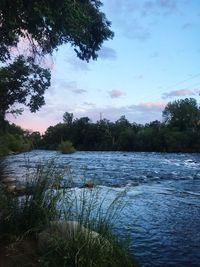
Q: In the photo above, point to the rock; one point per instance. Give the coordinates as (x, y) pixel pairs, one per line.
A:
(12, 153)
(69, 230)
(8, 180)
(11, 188)
(89, 184)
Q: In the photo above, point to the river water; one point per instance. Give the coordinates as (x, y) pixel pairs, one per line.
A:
(162, 212)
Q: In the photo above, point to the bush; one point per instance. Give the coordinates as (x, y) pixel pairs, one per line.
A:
(66, 147)
(13, 143)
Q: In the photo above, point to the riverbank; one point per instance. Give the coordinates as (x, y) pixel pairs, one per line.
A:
(28, 239)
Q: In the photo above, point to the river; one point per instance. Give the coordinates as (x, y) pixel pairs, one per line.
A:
(162, 214)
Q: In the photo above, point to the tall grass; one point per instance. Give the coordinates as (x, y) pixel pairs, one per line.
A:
(37, 207)
(48, 199)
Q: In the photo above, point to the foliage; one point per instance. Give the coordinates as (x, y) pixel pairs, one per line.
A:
(22, 82)
(68, 118)
(66, 147)
(180, 131)
(80, 251)
(48, 24)
(43, 26)
(183, 114)
(88, 208)
(35, 139)
(13, 140)
(50, 198)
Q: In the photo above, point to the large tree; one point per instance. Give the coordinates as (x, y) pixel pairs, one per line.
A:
(22, 82)
(184, 114)
(46, 24)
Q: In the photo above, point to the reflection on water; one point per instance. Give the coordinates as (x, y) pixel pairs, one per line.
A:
(163, 199)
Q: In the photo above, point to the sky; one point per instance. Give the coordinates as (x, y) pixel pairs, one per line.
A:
(153, 58)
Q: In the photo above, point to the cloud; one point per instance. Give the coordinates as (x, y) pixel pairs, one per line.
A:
(78, 91)
(78, 64)
(107, 53)
(167, 4)
(139, 77)
(177, 93)
(152, 105)
(116, 93)
(137, 32)
(159, 7)
(60, 84)
(140, 113)
(136, 17)
(88, 104)
(154, 55)
(187, 26)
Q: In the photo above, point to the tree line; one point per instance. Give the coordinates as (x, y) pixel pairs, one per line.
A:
(179, 131)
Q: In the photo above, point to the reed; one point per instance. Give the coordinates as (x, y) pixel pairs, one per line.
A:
(51, 199)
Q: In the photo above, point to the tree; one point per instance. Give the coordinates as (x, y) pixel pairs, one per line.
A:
(183, 114)
(49, 23)
(22, 82)
(68, 118)
(46, 25)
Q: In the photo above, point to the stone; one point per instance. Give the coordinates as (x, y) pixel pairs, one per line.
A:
(11, 188)
(8, 180)
(69, 230)
(89, 184)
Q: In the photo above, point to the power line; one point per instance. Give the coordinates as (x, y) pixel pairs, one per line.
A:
(181, 82)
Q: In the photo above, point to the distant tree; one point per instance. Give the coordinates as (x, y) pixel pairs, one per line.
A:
(47, 24)
(123, 122)
(183, 114)
(22, 82)
(35, 138)
(68, 118)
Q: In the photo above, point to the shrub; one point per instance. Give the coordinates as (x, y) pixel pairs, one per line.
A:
(66, 147)
(13, 143)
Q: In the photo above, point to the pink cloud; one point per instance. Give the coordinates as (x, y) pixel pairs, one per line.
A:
(153, 105)
(182, 92)
(116, 93)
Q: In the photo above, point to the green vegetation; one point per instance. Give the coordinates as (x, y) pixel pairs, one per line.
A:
(28, 236)
(49, 24)
(179, 132)
(13, 139)
(22, 82)
(66, 147)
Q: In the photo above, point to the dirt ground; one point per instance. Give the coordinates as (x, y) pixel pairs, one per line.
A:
(19, 254)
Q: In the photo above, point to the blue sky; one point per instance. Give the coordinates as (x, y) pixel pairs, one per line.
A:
(154, 58)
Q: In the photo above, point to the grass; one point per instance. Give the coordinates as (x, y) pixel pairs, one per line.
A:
(24, 219)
